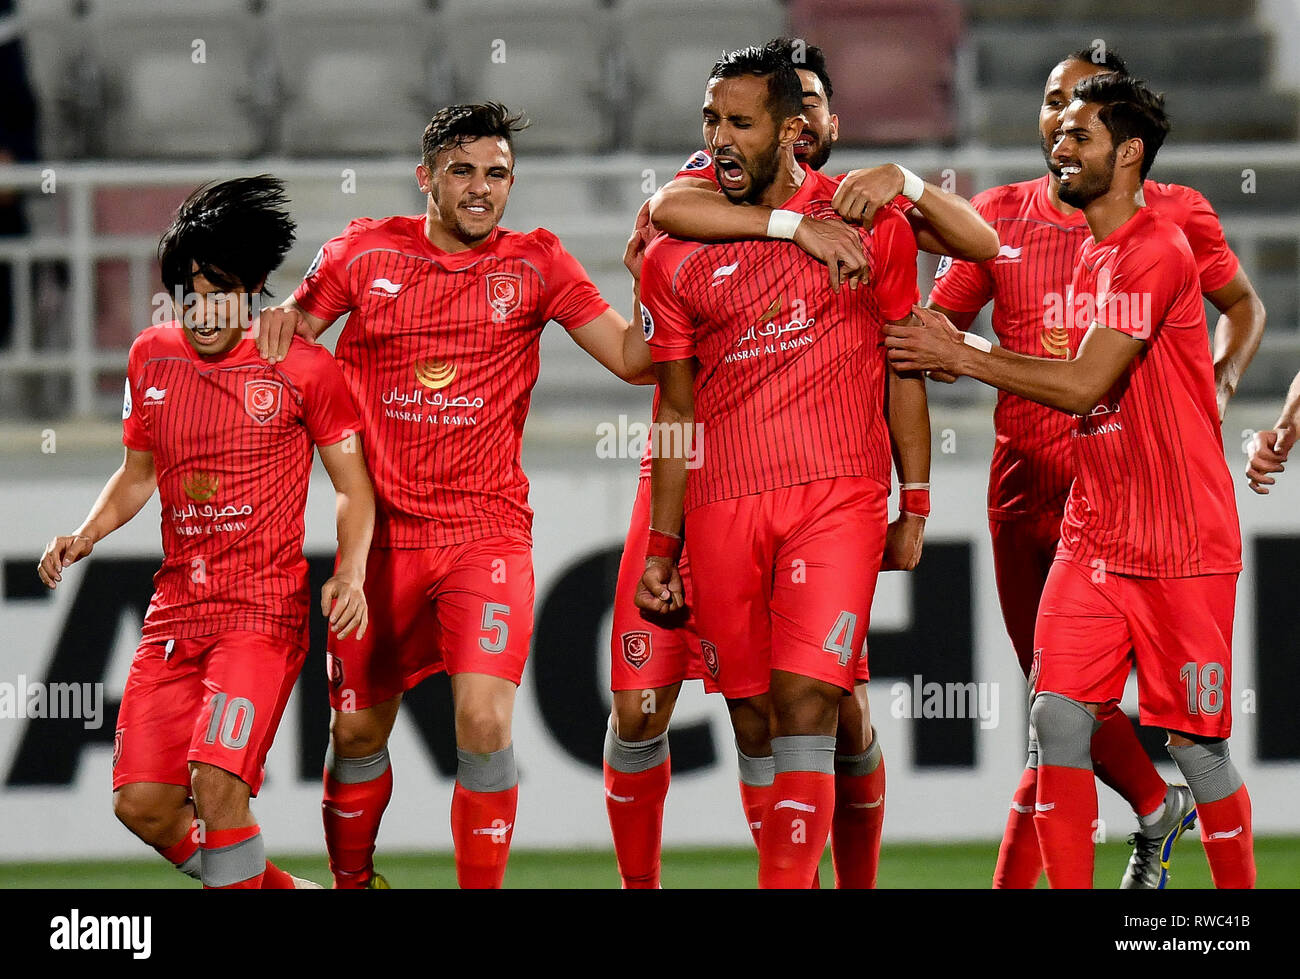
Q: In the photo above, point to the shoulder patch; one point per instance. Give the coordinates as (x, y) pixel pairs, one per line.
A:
(647, 326)
(945, 263)
(698, 161)
(315, 262)
(126, 400)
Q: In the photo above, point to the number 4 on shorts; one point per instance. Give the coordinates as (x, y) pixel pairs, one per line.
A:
(840, 639)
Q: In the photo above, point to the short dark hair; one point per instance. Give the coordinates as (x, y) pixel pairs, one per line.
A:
(784, 92)
(1108, 60)
(805, 56)
(236, 231)
(1128, 110)
(456, 125)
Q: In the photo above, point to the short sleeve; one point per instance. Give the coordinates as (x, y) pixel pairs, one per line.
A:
(572, 299)
(1216, 263)
(893, 278)
(135, 431)
(324, 290)
(960, 285)
(329, 413)
(669, 328)
(1135, 293)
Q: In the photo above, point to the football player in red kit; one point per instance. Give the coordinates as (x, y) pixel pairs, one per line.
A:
(1146, 569)
(227, 441)
(784, 379)
(651, 658)
(445, 313)
(1032, 460)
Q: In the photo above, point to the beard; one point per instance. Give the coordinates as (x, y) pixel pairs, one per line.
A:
(817, 154)
(762, 171)
(1087, 187)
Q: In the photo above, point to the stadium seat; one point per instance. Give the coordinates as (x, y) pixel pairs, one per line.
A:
(672, 45)
(893, 65)
(550, 61)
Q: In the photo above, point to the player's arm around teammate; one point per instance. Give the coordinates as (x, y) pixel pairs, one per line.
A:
(1270, 448)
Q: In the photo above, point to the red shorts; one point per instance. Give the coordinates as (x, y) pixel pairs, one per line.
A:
(1023, 551)
(463, 608)
(784, 581)
(215, 699)
(1094, 627)
(649, 650)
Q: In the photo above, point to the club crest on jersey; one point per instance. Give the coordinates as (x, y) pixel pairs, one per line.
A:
(698, 161)
(262, 399)
(636, 649)
(710, 654)
(504, 291)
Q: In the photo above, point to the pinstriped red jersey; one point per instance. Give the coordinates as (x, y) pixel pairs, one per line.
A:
(1152, 495)
(441, 354)
(790, 386)
(1032, 461)
(231, 438)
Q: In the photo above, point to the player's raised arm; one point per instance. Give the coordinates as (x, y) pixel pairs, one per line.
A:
(1237, 334)
(1270, 448)
(944, 223)
(126, 491)
(1075, 385)
(343, 597)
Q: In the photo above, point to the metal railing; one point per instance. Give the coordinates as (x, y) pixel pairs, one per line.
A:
(608, 188)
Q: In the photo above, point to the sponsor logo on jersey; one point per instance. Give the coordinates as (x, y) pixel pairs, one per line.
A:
(636, 649)
(153, 395)
(262, 399)
(770, 335)
(1056, 341)
(126, 401)
(1007, 253)
(709, 653)
(698, 161)
(434, 374)
(385, 287)
(504, 291)
(647, 323)
(200, 486)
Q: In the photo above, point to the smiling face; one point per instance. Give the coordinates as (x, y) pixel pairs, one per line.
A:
(214, 317)
(745, 141)
(1057, 95)
(468, 187)
(1083, 156)
(821, 126)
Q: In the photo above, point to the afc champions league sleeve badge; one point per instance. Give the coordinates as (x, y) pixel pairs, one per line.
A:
(262, 399)
(504, 292)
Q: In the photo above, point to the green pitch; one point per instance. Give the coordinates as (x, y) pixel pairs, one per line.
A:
(960, 865)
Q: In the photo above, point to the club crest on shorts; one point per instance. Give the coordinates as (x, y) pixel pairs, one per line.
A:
(117, 747)
(262, 399)
(334, 669)
(504, 291)
(636, 649)
(710, 654)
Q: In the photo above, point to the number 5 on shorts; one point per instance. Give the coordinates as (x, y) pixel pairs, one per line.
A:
(494, 621)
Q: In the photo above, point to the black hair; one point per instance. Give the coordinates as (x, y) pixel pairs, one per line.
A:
(805, 56)
(1129, 110)
(236, 231)
(1102, 57)
(784, 92)
(456, 125)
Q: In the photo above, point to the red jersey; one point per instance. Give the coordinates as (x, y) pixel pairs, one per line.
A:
(1032, 459)
(231, 438)
(441, 354)
(791, 377)
(1152, 496)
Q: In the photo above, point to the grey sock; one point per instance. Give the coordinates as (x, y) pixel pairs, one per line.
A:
(228, 865)
(863, 764)
(804, 753)
(1208, 769)
(756, 771)
(491, 772)
(635, 756)
(353, 771)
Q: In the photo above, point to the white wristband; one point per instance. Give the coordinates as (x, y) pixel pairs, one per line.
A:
(783, 224)
(978, 342)
(913, 186)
